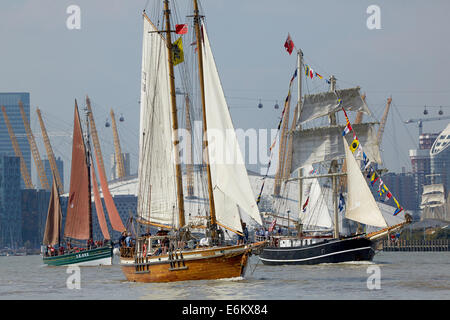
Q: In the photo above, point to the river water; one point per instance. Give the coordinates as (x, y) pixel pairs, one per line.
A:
(391, 276)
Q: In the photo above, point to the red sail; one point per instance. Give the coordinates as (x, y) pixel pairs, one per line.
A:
(78, 207)
(99, 207)
(114, 217)
(54, 218)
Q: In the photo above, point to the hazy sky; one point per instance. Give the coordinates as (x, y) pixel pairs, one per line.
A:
(407, 58)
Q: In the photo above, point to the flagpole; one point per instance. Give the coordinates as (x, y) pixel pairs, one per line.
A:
(179, 181)
(298, 127)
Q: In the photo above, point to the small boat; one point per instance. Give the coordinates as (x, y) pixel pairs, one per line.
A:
(177, 256)
(317, 237)
(78, 225)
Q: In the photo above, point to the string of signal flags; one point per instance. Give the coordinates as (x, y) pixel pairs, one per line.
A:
(371, 174)
(309, 72)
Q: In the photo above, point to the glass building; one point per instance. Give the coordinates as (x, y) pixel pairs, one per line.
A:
(11, 102)
(48, 171)
(10, 202)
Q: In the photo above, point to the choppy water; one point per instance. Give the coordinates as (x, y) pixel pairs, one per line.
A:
(403, 275)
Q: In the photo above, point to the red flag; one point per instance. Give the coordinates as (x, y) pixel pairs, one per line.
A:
(289, 44)
(181, 28)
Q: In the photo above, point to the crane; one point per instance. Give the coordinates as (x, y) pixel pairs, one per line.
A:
(95, 140)
(383, 121)
(50, 154)
(419, 121)
(23, 167)
(34, 150)
(118, 150)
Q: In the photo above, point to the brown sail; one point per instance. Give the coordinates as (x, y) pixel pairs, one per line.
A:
(99, 207)
(78, 206)
(114, 217)
(54, 218)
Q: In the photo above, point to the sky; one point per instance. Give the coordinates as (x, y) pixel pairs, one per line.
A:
(407, 59)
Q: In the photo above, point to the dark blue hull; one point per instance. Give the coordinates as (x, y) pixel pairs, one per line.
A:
(327, 251)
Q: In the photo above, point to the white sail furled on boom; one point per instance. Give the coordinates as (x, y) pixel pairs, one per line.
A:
(324, 144)
(361, 205)
(315, 212)
(157, 197)
(325, 103)
(230, 181)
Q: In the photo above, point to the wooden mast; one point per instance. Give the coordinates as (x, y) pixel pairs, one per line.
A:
(88, 162)
(174, 117)
(205, 140)
(334, 169)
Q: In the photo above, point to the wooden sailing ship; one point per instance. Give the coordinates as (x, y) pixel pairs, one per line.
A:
(317, 237)
(78, 225)
(161, 202)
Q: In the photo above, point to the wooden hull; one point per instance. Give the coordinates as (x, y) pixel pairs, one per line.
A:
(92, 257)
(200, 264)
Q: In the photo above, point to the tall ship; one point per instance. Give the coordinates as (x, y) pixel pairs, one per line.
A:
(334, 164)
(77, 245)
(174, 252)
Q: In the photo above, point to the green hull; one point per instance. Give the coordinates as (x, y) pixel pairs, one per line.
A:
(93, 257)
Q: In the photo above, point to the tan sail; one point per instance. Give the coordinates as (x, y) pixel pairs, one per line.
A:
(114, 217)
(99, 207)
(54, 218)
(78, 219)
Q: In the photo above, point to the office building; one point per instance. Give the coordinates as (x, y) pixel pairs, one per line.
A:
(10, 202)
(48, 171)
(11, 102)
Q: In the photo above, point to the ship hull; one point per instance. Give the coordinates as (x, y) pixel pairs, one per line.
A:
(328, 251)
(92, 257)
(200, 264)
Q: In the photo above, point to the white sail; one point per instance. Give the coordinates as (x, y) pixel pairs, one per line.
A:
(323, 144)
(316, 211)
(322, 104)
(361, 205)
(157, 197)
(432, 188)
(230, 181)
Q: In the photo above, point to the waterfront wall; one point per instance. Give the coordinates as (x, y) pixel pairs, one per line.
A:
(417, 245)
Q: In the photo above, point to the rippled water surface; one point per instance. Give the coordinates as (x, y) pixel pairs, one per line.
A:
(403, 275)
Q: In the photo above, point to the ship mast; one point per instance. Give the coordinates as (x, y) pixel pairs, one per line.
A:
(176, 141)
(205, 127)
(334, 169)
(296, 119)
(88, 161)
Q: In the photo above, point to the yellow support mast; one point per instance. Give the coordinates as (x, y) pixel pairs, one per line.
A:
(50, 154)
(34, 150)
(118, 150)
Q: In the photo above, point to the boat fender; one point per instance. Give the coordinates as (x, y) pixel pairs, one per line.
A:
(116, 251)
